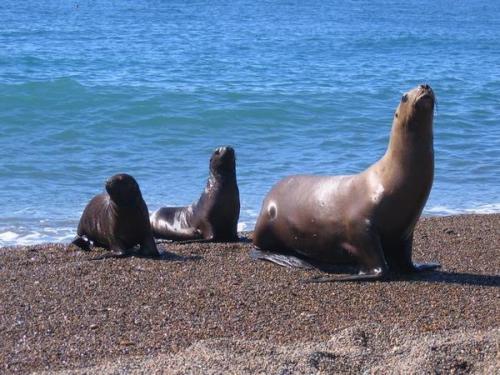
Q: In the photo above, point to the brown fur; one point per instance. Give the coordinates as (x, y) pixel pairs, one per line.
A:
(366, 219)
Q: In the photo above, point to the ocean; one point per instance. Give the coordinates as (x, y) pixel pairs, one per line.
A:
(93, 88)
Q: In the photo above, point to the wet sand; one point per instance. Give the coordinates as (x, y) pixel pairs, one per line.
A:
(209, 308)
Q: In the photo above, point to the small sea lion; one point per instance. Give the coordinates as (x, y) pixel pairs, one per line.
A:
(214, 217)
(117, 220)
(366, 219)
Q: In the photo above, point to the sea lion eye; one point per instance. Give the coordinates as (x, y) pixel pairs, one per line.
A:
(404, 99)
(396, 114)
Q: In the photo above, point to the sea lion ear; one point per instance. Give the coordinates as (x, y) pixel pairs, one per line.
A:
(404, 98)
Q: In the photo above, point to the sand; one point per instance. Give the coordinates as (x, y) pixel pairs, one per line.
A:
(210, 309)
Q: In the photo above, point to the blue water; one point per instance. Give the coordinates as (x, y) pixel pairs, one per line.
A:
(92, 88)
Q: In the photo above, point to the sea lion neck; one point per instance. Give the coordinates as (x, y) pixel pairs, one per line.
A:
(411, 138)
(409, 145)
(221, 175)
(118, 206)
(408, 164)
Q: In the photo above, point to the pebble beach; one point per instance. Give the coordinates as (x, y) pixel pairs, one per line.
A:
(91, 89)
(207, 308)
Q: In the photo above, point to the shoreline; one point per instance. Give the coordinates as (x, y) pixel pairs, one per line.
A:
(209, 307)
(65, 234)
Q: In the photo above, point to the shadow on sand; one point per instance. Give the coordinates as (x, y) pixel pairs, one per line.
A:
(164, 256)
(346, 271)
(172, 257)
(445, 277)
(435, 276)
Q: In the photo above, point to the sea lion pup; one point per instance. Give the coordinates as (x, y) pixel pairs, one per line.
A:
(117, 220)
(365, 219)
(214, 217)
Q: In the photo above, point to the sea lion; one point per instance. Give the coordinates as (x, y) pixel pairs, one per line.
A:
(117, 220)
(365, 219)
(214, 217)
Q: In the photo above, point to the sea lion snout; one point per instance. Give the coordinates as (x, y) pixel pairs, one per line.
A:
(425, 93)
(224, 150)
(424, 97)
(120, 179)
(223, 158)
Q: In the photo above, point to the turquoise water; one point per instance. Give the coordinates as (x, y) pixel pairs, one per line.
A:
(89, 89)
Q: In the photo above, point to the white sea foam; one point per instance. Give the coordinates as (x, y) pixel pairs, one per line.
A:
(440, 210)
(23, 235)
(485, 209)
(8, 236)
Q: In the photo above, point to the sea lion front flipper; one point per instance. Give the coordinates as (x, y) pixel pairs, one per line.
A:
(117, 251)
(284, 260)
(399, 257)
(82, 242)
(374, 275)
(114, 255)
(369, 255)
(148, 247)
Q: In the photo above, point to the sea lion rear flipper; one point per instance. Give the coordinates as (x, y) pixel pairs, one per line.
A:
(284, 260)
(82, 242)
(422, 267)
(186, 234)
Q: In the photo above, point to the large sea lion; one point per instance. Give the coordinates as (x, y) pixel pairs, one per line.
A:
(365, 219)
(214, 217)
(117, 220)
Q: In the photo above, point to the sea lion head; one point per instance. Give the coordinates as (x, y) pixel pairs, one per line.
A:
(223, 161)
(123, 189)
(416, 108)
